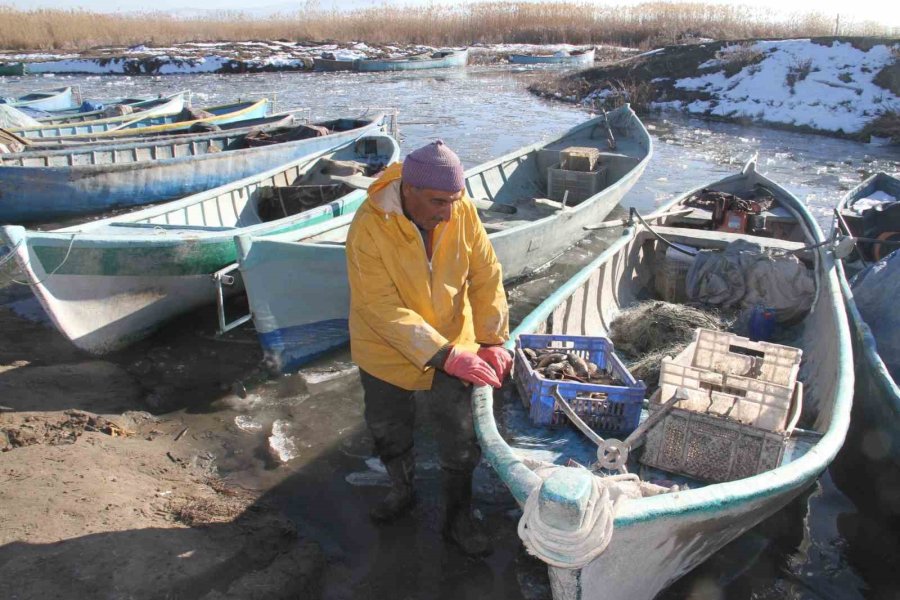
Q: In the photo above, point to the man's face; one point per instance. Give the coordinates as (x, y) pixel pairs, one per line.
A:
(429, 207)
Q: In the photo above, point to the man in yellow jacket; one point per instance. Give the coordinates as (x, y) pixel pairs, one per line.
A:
(427, 313)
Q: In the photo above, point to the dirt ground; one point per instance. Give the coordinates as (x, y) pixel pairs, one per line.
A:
(94, 489)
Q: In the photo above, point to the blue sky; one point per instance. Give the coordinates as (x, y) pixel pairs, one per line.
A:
(883, 11)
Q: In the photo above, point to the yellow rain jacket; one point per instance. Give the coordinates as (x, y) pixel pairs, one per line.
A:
(403, 309)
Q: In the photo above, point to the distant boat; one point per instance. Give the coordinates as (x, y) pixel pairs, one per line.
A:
(65, 183)
(108, 283)
(153, 108)
(140, 125)
(439, 59)
(642, 545)
(57, 99)
(526, 228)
(18, 68)
(334, 64)
(576, 58)
(876, 417)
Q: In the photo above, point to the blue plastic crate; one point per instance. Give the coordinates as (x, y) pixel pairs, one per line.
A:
(618, 413)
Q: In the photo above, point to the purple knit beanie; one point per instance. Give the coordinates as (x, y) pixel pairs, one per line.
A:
(435, 167)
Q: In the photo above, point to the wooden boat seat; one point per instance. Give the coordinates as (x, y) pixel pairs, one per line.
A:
(701, 216)
(720, 239)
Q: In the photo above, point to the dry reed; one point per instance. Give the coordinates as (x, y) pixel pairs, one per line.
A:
(644, 25)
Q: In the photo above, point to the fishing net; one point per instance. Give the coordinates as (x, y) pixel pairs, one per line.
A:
(646, 332)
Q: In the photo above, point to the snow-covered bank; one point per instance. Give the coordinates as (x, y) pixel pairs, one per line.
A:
(831, 85)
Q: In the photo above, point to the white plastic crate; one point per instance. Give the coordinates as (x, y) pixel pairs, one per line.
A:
(725, 352)
(729, 376)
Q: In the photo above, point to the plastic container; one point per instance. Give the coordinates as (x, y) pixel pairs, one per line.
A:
(713, 448)
(730, 376)
(619, 412)
(577, 158)
(579, 184)
(762, 323)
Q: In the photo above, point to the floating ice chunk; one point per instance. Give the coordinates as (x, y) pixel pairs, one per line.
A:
(248, 423)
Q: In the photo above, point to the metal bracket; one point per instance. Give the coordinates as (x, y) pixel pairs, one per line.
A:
(221, 278)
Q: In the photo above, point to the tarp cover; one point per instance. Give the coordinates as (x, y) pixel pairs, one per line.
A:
(876, 289)
(744, 275)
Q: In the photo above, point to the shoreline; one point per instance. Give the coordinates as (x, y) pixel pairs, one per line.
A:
(249, 57)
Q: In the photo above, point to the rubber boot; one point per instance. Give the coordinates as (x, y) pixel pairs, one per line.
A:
(460, 526)
(402, 497)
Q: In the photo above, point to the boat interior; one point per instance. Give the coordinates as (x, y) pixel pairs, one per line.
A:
(169, 149)
(871, 211)
(642, 270)
(327, 180)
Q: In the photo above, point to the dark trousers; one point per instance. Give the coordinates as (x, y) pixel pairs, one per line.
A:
(391, 414)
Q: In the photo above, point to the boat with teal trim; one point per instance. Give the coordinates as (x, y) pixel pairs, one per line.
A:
(577, 58)
(125, 110)
(640, 544)
(108, 283)
(440, 59)
(54, 126)
(56, 99)
(151, 124)
(515, 196)
(873, 445)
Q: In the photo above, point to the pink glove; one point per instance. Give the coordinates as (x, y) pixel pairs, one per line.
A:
(468, 367)
(499, 359)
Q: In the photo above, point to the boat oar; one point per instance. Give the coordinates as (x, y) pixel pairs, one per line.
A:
(612, 454)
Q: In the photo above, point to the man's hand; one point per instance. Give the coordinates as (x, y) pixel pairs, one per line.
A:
(499, 359)
(469, 367)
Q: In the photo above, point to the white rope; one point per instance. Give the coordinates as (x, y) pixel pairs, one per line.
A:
(572, 549)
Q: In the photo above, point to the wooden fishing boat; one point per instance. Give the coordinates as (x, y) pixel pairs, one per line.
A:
(573, 59)
(657, 539)
(58, 126)
(57, 99)
(440, 59)
(108, 283)
(527, 229)
(179, 134)
(226, 113)
(143, 106)
(874, 442)
(40, 186)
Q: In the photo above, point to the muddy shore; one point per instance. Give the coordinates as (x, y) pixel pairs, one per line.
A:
(100, 498)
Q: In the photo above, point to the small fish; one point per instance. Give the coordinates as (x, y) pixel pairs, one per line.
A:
(578, 364)
(550, 359)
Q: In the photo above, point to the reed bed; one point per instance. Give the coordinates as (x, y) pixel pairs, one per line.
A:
(644, 25)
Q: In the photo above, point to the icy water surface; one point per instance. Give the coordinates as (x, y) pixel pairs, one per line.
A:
(820, 546)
